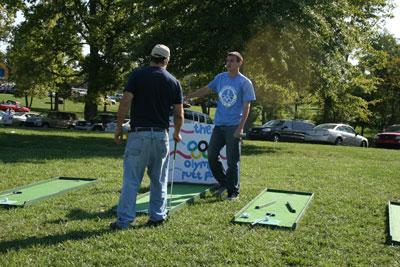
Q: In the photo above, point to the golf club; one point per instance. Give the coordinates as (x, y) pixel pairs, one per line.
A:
(172, 177)
(265, 218)
(265, 205)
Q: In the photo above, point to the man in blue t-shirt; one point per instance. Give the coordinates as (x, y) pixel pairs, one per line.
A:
(235, 92)
(151, 93)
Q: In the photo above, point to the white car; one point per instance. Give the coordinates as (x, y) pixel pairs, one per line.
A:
(111, 100)
(5, 119)
(20, 117)
(110, 127)
(335, 133)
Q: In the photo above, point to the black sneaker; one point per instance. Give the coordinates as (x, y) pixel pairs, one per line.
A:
(219, 192)
(115, 226)
(232, 197)
(155, 223)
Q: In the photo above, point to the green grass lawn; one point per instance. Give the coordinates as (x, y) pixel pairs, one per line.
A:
(346, 224)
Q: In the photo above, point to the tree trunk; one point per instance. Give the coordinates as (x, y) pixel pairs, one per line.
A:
(26, 101)
(56, 102)
(327, 112)
(93, 86)
(263, 115)
(30, 104)
(204, 107)
(51, 100)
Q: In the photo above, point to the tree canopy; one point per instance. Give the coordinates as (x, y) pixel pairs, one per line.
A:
(297, 52)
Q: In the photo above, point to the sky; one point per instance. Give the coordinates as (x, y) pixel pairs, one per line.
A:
(392, 25)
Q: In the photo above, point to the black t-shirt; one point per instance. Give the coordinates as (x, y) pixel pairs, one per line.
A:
(155, 91)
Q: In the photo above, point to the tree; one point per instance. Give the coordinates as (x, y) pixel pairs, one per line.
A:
(384, 64)
(8, 10)
(36, 67)
(298, 50)
(68, 26)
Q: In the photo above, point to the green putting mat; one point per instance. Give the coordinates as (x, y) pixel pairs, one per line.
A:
(181, 194)
(277, 208)
(394, 222)
(29, 194)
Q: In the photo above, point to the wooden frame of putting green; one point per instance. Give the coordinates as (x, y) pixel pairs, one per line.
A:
(182, 194)
(286, 208)
(29, 194)
(394, 222)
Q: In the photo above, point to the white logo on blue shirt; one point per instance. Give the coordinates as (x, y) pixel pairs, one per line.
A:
(228, 96)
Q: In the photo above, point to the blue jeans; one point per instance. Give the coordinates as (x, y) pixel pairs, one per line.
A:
(229, 178)
(151, 150)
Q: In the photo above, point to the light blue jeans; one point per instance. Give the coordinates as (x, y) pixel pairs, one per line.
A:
(151, 150)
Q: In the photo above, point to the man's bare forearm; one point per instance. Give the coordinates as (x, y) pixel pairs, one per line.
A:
(199, 93)
(245, 115)
(178, 118)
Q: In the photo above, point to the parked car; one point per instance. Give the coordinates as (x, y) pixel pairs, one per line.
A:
(111, 126)
(78, 92)
(281, 130)
(19, 118)
(16, 107)
(99, 123)
(56, 119)
(192, 116)
(113, 99)
(390, 138)
(11, 102)
(4, 120)
(337, 134)
(35, 121)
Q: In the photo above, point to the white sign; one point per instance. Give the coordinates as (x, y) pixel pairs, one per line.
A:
(191, 163)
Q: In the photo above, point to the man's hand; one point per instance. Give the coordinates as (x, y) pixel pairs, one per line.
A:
(177, 137)
(118, 135)
(238, 133)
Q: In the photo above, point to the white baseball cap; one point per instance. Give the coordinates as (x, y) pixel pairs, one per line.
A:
(160, 50)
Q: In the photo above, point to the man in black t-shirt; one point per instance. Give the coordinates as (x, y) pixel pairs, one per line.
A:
(150, 93)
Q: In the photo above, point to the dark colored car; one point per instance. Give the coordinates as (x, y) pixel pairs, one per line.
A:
(390, 138)
(99, 123)
(54, 119)
(281, 130)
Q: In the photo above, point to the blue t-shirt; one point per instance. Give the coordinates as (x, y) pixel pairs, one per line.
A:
(155, 91)
(232, 94)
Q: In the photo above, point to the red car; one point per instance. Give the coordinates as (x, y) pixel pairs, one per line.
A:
(390, 138)
(16, 108)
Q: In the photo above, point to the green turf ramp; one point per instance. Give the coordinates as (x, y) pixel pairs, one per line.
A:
(26, 195)
(275, 208)
(182, 193)
(394, 222)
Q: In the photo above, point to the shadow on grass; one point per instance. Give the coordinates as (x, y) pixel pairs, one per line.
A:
(6, 246)
(38, 148)
(51, 240)
(79, 214)
(252, 150)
